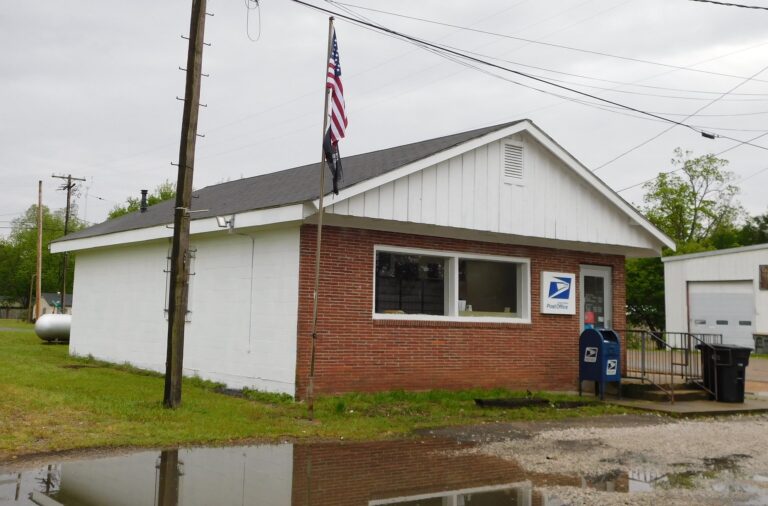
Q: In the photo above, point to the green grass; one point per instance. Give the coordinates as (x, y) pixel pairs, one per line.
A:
(50, 401)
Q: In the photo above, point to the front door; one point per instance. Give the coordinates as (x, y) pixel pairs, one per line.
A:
(595, 291)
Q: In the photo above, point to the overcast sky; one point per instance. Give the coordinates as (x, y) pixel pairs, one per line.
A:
(89, 88)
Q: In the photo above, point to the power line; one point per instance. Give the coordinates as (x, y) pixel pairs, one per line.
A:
(679, 169)
(638, 146)
(443, 50)
(619, 83)
(433, 47)
(752, 175)
(538, 42)
(710, 128)
(728, 4)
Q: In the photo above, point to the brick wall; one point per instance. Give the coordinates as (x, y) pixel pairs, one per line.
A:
(356, 353)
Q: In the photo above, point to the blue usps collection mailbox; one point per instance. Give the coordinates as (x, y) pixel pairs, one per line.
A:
(599, 359)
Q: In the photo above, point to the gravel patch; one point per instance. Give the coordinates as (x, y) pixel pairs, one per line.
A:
(659, 448)
(702, 461)
(570, 496)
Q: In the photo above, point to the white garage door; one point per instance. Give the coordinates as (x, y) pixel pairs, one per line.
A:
(723, 307)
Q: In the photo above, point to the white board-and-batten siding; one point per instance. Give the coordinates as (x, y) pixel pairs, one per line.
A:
(470, 191)
(243, 303)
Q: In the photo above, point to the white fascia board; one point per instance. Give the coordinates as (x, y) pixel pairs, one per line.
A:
(249, 219)
(418, 165)
(719, 252)
(128, 236)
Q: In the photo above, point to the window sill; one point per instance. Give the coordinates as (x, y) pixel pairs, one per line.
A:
(448, 321)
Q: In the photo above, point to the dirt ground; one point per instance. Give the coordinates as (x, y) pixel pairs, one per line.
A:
(656, 459)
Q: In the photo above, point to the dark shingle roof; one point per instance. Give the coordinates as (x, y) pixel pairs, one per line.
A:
(54, 298)
(285, 187)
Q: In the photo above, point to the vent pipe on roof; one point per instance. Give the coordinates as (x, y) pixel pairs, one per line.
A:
(143, 206)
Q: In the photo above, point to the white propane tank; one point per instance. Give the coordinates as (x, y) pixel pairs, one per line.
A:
(53, 327)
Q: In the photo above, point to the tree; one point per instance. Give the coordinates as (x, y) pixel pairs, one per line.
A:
(693, 205)
(645, 293)
(18, 253)
(698, 210)
(164, 191)
(754, 231)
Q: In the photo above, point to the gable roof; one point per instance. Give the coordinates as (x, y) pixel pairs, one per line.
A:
(279, 196)
(291, 186)
(53, 298)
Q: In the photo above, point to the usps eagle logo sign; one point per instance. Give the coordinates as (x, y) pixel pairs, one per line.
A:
(560, 288)
(558, 293)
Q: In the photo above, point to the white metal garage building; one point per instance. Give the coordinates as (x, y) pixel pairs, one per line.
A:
(719, 292)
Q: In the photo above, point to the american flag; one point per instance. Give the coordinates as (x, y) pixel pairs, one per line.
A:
(333, 82)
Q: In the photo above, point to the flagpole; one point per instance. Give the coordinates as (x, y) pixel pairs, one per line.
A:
(311, 384)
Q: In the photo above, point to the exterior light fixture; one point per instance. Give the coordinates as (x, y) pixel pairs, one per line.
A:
(226, 221)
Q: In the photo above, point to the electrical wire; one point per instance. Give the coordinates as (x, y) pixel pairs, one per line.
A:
(679, 169)
(728, 4)
(620, 83)
(653, 138)
(709, 128)
(443, 51)
(592, 104)
(261, 141)
(422, 43)
(752, 175)
(538, 42)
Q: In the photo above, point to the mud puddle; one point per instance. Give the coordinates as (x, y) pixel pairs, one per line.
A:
(401, 473)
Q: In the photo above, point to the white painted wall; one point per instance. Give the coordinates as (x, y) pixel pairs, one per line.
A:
(244, 305)
(468, 192)
(733, 266)
(243, 302)
(119, 295)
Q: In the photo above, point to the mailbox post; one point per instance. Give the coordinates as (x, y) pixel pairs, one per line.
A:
(599, 359)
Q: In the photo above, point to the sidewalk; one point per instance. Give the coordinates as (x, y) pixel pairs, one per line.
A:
(757, 377)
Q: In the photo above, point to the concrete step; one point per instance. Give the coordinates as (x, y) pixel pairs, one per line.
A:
(680, 396)
(647, 391)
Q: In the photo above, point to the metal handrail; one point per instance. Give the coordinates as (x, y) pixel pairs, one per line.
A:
(669, 354)
(654, 362)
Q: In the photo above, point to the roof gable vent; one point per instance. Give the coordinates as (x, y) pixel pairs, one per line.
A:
(513, 163)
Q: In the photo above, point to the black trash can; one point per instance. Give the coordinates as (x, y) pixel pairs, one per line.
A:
(724, 370)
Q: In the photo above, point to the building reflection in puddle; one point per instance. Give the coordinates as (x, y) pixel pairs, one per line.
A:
(397, 473)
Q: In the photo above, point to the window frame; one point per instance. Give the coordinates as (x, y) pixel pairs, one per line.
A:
(452, 286)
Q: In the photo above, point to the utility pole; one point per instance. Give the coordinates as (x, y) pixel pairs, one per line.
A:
(177, 299)
(168, 483)
(38, 283)
(69, 185)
